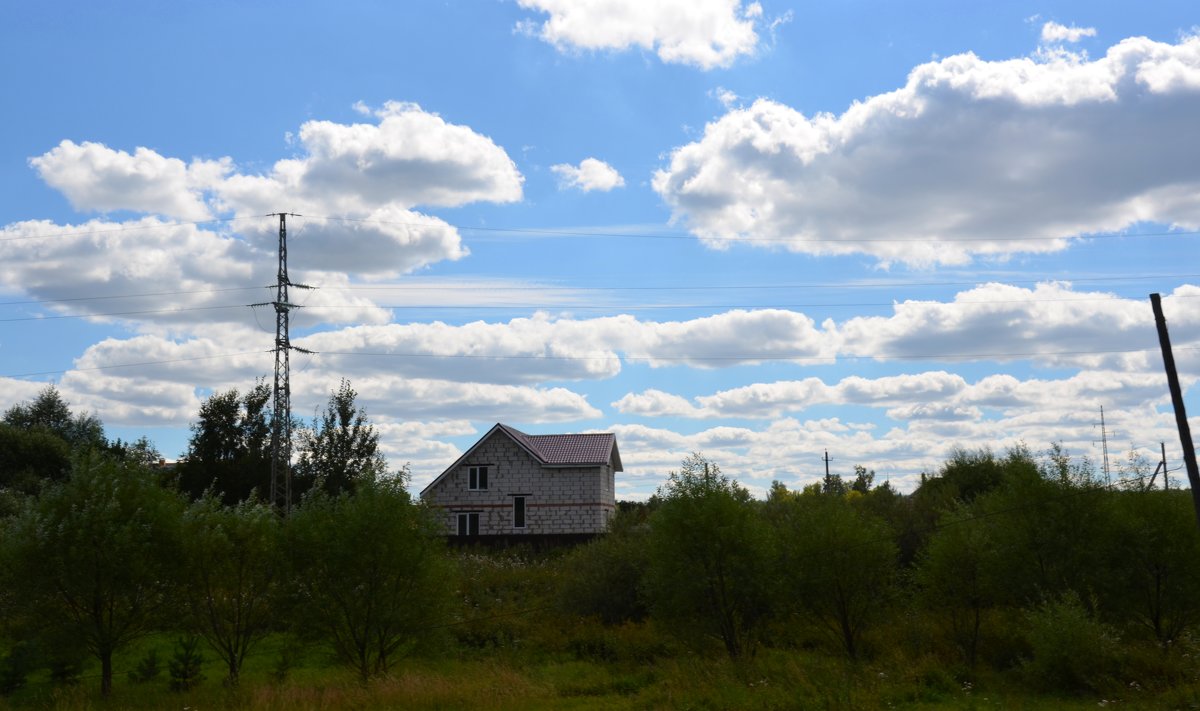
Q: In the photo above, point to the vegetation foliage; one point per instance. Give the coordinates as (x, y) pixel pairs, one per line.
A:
(1005, 580)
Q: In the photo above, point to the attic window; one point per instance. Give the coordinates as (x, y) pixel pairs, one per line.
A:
(477, 478)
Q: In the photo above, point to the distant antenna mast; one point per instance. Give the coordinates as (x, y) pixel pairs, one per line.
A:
(281, 415)
(1104, 447)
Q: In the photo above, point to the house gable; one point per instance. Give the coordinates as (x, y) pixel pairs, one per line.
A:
(510, 483)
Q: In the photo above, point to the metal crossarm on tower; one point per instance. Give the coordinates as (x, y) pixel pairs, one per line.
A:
(281, 415)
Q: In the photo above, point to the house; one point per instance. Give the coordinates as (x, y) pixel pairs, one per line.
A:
(510, 484)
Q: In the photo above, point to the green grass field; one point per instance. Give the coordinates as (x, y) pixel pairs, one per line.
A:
(621, 676)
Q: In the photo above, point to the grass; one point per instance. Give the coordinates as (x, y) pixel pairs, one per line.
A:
(774, 679)
(514, 650)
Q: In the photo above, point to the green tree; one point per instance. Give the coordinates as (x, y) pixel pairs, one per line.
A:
(140, 452)
(48, 412)
(709, 558)
(1049, 525)
(94, 557)
(864, 479)
(834, 485)
(958, 576)
(30, 459)
(368, 572)
(836, 563)
(232, 559)
(341, 448)
(230, 447)
(1154, 577)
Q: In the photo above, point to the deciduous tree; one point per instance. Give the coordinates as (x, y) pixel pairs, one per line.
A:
(709, 560)
(94, 556)
(368, 572)
(232, 563)
(837, 564)
(230, 447)
(48, 412)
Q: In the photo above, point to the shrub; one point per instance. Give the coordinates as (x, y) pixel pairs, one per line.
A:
(1071, 650)
(148, 668)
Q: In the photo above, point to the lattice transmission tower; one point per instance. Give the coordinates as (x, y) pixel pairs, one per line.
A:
(281, 414)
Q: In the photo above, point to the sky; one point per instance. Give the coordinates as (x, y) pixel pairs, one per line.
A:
(769, 232)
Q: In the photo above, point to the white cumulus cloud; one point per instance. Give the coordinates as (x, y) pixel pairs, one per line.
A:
(702, 33)
(95, 177)
(1054, 32)
(591, 174)
(970, 157)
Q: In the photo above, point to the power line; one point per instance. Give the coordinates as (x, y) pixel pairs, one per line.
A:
(131, 365)
(143, 312)
(542, 232)
(631, 358)
(474, 288)
(126, 228)
(780, 240)
(142, 295)
(724, 287)
(617, 306)
(749, 356)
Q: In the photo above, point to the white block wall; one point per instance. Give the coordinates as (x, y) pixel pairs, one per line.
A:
(557, 500)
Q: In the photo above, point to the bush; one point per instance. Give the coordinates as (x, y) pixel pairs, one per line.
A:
(16, 666)
(605, 578)
(1071, 651)
(148, 668)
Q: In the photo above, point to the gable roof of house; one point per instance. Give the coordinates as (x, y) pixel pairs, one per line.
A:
(569, 450)
(555, 450)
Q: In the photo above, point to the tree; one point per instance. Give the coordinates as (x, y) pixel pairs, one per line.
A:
(1153, 553)
(94, 557)
(837, 565)
(340, 449)
(709, 558)
(232, 562)
(834, 485)
(31, 458)
(230, 447)
(957, 573)
(48, 412)
(863, 479)
(1048, 525)
(140, 452)
(368, 572)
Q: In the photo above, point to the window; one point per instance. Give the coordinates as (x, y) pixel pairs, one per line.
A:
(477, 478)
(468, 524)
(518, 512)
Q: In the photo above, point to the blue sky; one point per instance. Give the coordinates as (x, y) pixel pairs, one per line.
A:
(755, 230)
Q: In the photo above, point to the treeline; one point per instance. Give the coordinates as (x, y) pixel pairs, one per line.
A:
(100, 544)
(1010, 562)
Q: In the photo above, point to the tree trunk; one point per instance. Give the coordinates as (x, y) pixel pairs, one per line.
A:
(106, 673)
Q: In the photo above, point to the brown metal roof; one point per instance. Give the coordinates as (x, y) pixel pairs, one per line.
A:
(558, 450)
(570, 449)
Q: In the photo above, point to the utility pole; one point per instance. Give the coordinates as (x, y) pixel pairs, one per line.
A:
(1185, 432)
(1166, 478)
(1104, 448)
(1162, 467)
(281, 414)
(827, 465)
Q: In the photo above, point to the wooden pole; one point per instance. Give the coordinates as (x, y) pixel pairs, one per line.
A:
(1185, 432)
